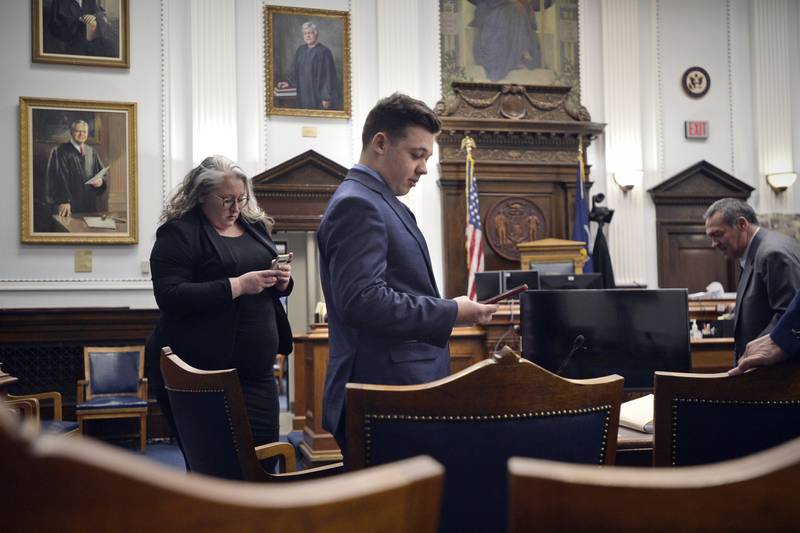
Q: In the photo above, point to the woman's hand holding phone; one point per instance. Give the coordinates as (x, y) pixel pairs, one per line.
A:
(277, 275)
(282, 267)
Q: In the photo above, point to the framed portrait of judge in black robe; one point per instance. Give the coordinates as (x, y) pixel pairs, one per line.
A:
(78, 172)
(308, 62)
(90, 32)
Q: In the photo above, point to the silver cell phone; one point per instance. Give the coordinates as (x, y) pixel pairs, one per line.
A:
(282, 259)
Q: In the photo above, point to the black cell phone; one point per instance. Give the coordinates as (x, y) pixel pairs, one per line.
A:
(505, 295)
(282, 259)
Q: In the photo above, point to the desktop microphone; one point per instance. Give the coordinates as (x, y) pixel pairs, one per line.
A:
(577, 344)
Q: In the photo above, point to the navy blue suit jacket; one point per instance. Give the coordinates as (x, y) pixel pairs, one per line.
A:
(787, 332)
(387, 322)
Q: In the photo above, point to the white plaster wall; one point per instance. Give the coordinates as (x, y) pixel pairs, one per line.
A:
(694, 33)
(794, 66)
(741, 116)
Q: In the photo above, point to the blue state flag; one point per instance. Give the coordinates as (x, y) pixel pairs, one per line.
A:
(580, 231)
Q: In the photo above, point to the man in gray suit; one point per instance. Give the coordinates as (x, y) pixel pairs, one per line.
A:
(769, 262)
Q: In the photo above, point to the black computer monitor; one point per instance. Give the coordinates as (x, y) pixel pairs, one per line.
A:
(493, 282)
(571, 281)
(513, 278)
(488, 284)
(593, 333)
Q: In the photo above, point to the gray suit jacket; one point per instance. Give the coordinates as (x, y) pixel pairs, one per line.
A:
(769, 281)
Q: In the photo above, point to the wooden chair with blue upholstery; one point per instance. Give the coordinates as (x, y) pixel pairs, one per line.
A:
(705, 418)
(114, 386)
(215, 435)
(753, 493)
(475, 420)
(91, 486)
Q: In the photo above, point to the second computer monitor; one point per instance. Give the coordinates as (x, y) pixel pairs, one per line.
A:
(571, 281)
(493, 282)
(512, 278)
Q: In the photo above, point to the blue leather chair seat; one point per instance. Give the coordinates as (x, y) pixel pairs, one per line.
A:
(54, 427)
(112, 402)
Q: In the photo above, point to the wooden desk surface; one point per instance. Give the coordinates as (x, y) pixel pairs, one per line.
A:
(76, 223)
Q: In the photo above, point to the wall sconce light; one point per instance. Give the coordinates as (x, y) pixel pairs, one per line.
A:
(626, 179)
(780, 181)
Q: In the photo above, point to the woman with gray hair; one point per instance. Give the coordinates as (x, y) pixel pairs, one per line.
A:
(217, 290)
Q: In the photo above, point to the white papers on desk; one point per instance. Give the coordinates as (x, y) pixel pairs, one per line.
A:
(638, 414)
(714, 291)
(288, 91)
(100, 222)
(712, 296)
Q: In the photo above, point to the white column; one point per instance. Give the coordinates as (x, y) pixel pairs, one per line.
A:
(364, 64)
(213, 29)
(591, 61)
(398, 47)
(623, 136)
(250, 86)
(398, 57)
(773, 46)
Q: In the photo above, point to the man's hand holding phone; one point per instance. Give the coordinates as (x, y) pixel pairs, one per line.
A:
(506, 295)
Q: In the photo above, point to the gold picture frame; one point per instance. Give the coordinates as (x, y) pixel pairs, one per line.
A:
(78, 181)
(89, 35)
(289, 91)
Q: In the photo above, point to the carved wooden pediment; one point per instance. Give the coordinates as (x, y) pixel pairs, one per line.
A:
(685, 256)
(527, 123)
(296, 191)
(700, 183)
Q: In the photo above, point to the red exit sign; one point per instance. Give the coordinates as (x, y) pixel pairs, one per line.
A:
(696, 129)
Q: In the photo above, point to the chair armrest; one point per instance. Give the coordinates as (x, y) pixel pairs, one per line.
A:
(142, 392)
(81, 396)
(275, 449)
(311, 473)
(27, 408)
(54, 396)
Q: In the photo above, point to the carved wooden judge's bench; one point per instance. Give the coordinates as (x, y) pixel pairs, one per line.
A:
(526, 162)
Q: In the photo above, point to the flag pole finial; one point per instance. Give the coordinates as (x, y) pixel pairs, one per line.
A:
(468, 143)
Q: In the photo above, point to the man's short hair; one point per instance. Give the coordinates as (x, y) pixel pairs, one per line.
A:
(76, 123)
(310, 26)
(393, 114)
(731, 209)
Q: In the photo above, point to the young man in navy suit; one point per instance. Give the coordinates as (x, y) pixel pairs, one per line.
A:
(387, 321)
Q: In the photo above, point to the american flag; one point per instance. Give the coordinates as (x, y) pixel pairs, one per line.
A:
(474, 232)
